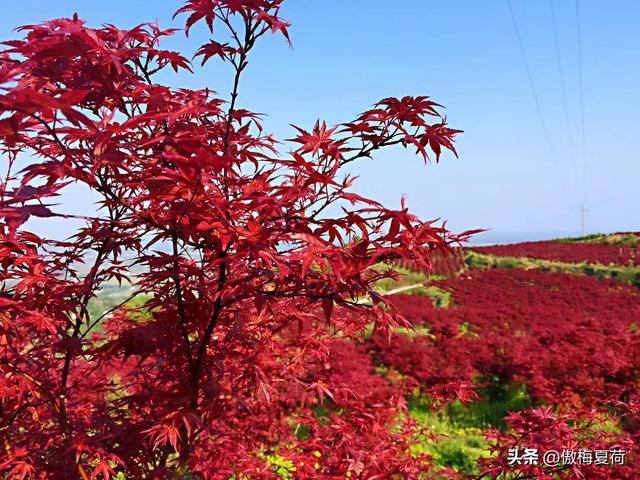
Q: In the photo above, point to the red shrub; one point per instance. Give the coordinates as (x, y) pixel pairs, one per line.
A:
(574, 439)
(567, 252)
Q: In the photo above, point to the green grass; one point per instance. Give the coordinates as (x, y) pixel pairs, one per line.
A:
(405, 278)
(441, 298)
(625, 274)
(496, 402)
(454, 435)
(448, 442)
(619, 239)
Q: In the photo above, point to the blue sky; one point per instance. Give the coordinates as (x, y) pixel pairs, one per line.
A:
(465, 55)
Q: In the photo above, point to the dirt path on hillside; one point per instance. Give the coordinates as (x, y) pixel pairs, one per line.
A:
(403, 289)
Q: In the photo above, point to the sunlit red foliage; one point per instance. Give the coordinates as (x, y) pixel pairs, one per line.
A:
(245, 273)
(567, 252)
(546, 431)
(571, 341)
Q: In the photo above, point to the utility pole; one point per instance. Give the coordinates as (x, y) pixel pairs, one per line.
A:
(582, 210)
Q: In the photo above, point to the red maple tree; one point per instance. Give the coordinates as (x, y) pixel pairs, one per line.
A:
(246, 263)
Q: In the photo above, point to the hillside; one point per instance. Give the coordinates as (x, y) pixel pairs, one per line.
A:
(519, 347)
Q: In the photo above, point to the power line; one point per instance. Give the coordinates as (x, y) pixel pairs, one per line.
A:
(581, 90)
(563, 87)
(577, 183)
(530, 77)
(583, 148)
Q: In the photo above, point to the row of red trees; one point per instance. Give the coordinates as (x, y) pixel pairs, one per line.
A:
(568, 252)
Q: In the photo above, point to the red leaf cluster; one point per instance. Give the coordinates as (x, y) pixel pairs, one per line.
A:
(243, 270)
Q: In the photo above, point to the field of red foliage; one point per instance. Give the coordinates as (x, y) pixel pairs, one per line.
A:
(570, 342)
(567, 252)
